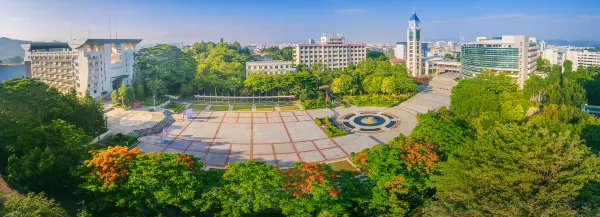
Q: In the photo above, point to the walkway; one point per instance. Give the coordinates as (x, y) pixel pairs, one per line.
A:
(283, 137)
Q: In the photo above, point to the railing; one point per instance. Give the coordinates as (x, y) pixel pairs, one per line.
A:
(156, 128)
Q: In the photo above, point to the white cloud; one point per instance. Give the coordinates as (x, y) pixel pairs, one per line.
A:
(349, 11)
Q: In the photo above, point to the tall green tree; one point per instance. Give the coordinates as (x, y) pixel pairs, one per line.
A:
(566, 92)
(249, 188)
(442, 129)
(568, 66)
(514, 170)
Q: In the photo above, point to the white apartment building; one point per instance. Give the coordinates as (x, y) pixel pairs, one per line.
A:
(555, 55)
(269, 67)
(400, 50)
(515, 55)
(414, 53)
(583, 58)
(94, 65)
(332, 52)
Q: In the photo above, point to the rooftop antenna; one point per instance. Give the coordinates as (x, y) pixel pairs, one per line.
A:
(116, 31)
(89, 33)
(109, 29)
(71, 34)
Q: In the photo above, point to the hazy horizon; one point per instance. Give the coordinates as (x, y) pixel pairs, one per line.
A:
(264, 21)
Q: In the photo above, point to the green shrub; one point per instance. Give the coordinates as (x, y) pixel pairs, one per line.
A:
(331, 129)
(315, 103)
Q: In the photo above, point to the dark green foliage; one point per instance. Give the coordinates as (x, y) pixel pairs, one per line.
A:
(514, 170)
(286, 53)
(163, 69)
(442, 129)
(44, 134)
(13, 60)
(486, 99)
(371, 54)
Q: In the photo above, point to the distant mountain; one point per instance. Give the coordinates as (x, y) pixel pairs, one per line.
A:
(11, 48)
(577, 43)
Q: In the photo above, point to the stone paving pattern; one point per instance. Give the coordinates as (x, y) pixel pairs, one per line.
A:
(282, 138)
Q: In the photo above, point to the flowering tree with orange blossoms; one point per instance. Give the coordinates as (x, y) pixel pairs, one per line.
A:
(314, 188)
(400, 174)
(149, 183)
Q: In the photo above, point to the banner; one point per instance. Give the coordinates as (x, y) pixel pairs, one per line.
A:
(189, 113)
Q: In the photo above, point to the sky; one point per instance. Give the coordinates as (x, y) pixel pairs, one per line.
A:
(276, 21)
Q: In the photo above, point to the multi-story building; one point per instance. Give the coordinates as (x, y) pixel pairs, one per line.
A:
(583, 58)
(332, 52)
(400, 50)
(94, 65)
(513, 55)
(311, 41)
(439, 65)
(269, 67)
(555, 55)
(414, 52)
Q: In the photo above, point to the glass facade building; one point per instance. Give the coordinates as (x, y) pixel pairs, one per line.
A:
(478, 58)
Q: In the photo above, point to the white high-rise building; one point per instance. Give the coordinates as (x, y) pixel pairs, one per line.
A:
(400, 50)
(414, 47)
(555, 55)
(94, 65)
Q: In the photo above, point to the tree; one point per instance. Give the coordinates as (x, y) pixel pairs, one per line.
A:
(448, 56)
(534, 88)
(514, 170)
(33, 205)
(400, 175)
(153, 182)
(249, 187)
(343, 85)
(566, 92)
(540, 63)
(372, 84)
(568, 66)
(486, 99)
(376, 55)
(440, 128)
(167, 63)
(315, 188)
(114, 96)
(48, 165)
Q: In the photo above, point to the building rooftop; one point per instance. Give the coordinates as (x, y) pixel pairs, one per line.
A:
(330, 45)
(76, 43)
(269, 61)
(44, 45)
(414, 17)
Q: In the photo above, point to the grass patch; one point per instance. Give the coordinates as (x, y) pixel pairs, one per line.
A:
(343, 165)
(289, 107)
(244, 107)
(176, 107)
(219, 108)
(376, 100)
(265, 108)
(331, 130)
(198, 107)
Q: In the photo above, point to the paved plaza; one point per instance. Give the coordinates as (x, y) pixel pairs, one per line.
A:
(282, 138)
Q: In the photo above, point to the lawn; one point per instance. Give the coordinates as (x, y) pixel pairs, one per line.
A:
(242, 108)
(343, 165)
(198, 107)
(219, 108)
(289, 107)
(265, 108)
